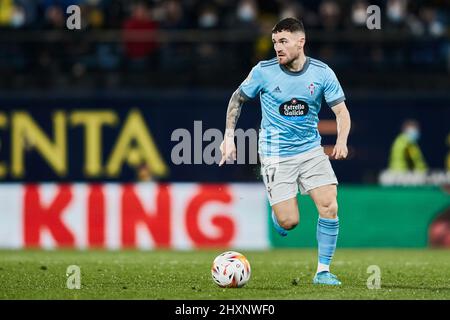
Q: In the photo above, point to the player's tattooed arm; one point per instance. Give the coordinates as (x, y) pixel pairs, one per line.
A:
(233, 112)
(227, 147)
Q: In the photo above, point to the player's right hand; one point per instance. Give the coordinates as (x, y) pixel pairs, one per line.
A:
(228, 150)
(340, 151)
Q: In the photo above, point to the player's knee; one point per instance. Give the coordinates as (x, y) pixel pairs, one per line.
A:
(289, 223)
(329, 210)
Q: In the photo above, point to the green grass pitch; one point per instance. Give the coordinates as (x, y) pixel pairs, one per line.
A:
(276, 274)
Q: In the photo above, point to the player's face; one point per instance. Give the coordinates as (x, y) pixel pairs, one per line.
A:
(288, 45)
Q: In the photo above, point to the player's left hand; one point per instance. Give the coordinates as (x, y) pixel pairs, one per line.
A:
(340, 151)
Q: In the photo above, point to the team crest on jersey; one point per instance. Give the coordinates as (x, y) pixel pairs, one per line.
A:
(294, 109)
(311, 88)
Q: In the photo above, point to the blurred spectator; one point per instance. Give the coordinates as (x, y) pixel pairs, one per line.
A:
(396, 19)
(94, 16)
(291, 10)
(173, 54)
(247, 13)
(207, 52)
(433, 26)
(297, 10)
(396, 12)
(246, 18)
(430, 47)
(359, 13)
(30, 9)
(264, 46)
(55, 18)
(245, 24)
(439, 230)
(173, 17)
(405, 151)
(18, 13)
(144, 173)
(330, 15)
(330, 20)
(208, 18)
(429, 21)
(139, 24)
(6, 12)
(18, 18)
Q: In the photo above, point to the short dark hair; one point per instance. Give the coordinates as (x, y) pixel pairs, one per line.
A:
(289, 24)
(410, 123)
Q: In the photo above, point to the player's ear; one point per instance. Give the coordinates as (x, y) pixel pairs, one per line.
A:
(301, 41)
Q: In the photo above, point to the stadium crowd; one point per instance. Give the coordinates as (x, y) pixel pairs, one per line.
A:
(418, 17)
(414, 34)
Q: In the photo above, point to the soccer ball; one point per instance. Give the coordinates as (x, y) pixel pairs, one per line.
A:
(231, 269)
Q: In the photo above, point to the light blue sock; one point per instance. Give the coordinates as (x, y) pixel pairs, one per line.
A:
(327, 234)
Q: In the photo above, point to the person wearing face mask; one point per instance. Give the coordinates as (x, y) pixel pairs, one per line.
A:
(396, 11)
(247, 11)
(245, 19)
(405, 151)
(208, 18)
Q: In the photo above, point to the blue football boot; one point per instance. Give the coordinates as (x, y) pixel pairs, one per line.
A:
(326, 277)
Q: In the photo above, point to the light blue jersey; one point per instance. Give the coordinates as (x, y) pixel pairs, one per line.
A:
(290, 103)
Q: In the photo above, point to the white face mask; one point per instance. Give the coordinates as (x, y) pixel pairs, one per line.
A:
(208, 20)
(413, 134)
(437, 29)
(246, 13)
(18, 19)
(396, 12)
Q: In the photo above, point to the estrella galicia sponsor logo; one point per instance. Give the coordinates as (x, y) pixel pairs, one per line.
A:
(294, 108)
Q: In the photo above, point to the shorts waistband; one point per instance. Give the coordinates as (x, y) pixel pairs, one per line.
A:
(303, 155)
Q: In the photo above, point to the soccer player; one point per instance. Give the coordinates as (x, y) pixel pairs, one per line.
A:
(291, 87)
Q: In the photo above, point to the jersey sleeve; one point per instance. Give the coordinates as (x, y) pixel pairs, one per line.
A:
(252, 85)
(332, 89)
